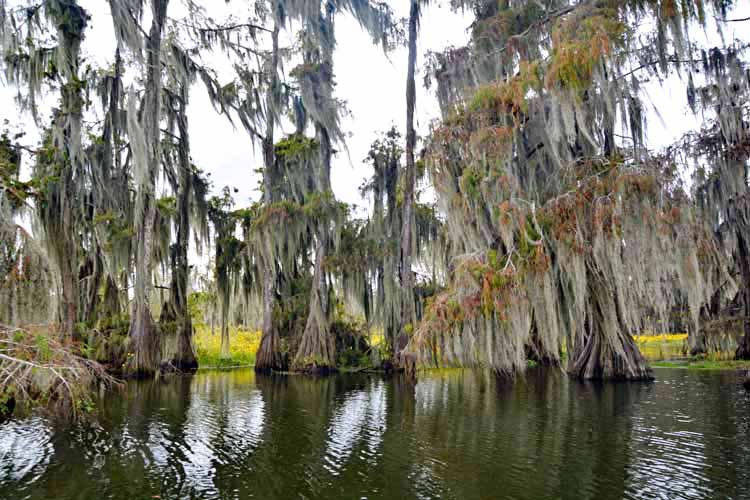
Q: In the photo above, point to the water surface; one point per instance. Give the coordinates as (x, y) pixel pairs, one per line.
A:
(455, 435)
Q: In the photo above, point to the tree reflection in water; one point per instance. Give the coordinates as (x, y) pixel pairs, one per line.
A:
(454, 434)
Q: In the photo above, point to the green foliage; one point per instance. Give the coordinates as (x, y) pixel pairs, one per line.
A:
(200, 304)
(85, 405)
(509, 96)
(7, 403)
(167, 206)
(15, 191)
(41, 342)
(295, 145)
(471, 181)
(117, 229)
(352, 348)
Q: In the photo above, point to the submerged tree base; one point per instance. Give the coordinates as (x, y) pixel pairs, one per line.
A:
(597, 360)
(746, 382)
(743, 349)
(144, 356)
(269, 357)
(177, 365)
(177, 350)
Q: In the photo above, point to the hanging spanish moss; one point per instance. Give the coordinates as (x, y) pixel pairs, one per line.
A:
(557, 232)
(227, 251)
(562, 236)
(25, 273)
(191, 206)
(145, 145)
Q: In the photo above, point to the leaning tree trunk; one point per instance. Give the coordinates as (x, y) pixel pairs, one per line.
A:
(144, 338)
(598, 354)
(408, 310)
(269, 353)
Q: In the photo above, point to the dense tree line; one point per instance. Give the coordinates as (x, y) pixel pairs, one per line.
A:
(557, 232)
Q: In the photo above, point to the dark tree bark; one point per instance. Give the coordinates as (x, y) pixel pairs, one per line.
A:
(743, 348)
(408, 310)
(596, 355)
(178, 351)
(535, 351)
(595, 359)
(269, 353)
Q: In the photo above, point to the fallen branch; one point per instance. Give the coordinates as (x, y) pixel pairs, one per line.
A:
(38, 369)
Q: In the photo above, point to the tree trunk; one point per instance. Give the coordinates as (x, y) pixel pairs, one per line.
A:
(224, 351)
(69, 296)
(65, 250)
(596, 359)
(178, 352)
(62, 231)
(269, 352)
(408, 310)
(143, 332)
(600, 355)
(111, 299)
(316, 350)
(743, 348)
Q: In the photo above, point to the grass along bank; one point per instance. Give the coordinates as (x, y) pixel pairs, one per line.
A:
(705, 364)
(663, 346)
(243, 345)
(670, 350)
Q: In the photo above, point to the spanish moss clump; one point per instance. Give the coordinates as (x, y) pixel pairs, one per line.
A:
(26, 279)
(25, 275)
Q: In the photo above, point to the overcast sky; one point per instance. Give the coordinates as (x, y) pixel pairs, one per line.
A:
(371, 83)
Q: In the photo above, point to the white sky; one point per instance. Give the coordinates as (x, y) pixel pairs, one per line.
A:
(372, 83)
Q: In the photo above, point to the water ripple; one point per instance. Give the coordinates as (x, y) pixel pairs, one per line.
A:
(453, 435)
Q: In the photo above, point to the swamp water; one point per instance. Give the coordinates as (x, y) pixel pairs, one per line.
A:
(456, 434)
